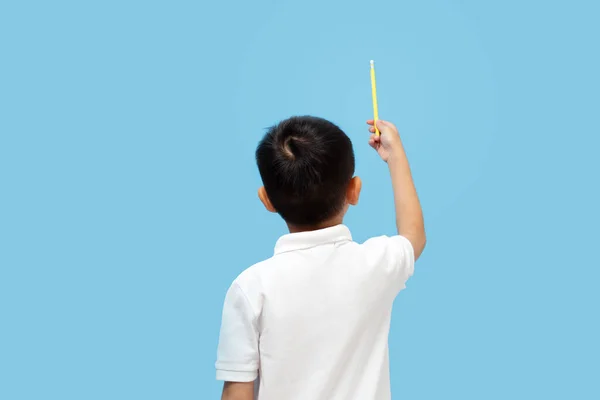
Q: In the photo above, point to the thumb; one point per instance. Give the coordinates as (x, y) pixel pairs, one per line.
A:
(382, 125)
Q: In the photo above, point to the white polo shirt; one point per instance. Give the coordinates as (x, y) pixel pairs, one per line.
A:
(313, 320)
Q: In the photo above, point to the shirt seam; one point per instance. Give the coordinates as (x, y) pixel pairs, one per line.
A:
(236, 367)
(312, 246)
(246, 299)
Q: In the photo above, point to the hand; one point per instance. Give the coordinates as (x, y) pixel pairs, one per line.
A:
(387, 141)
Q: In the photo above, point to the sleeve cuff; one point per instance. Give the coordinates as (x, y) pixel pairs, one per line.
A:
(236, 376)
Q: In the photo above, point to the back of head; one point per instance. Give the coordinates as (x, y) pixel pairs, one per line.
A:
(306, 164)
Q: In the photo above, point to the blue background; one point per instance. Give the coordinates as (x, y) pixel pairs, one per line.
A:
(128, 186)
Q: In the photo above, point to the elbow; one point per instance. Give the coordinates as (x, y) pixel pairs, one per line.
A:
(419, 246)
(417, 238)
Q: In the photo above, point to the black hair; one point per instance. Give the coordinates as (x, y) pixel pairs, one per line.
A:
(306, 164)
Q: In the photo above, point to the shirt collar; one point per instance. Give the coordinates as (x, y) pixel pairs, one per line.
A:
(308, 239)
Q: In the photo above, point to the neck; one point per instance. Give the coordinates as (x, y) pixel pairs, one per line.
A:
(327, 224)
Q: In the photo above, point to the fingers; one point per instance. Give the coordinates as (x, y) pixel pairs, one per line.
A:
(381, 124)
(371, 124)
(374, 141)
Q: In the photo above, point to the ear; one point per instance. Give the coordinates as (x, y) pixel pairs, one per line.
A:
(353, 191)
(262, 195)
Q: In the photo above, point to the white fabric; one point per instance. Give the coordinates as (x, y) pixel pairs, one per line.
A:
(314, 319)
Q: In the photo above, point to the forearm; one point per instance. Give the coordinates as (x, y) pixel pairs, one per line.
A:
(238, 391)
(409, 216)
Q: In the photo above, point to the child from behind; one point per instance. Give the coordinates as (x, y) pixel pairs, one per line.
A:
(312, 321)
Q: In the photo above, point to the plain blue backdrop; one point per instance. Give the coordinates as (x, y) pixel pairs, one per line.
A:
(128, 186)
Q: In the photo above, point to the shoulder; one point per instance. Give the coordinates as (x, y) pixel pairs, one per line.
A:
(394, 255)
(378, 243)
(250, 283)
(253, 275)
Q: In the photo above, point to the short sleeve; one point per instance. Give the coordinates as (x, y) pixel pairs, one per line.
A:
(396, 258)
(237, 354)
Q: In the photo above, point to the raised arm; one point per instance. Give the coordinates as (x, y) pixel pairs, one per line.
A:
(409, 216)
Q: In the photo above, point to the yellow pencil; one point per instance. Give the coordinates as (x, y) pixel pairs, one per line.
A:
(374, 92)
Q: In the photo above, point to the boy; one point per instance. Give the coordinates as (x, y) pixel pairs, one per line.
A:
(313, 320)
